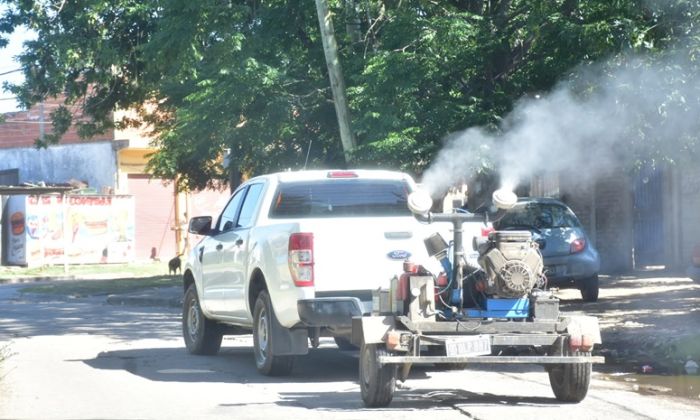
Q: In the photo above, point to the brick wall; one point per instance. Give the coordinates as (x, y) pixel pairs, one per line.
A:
(21, 129)
(605, 208)
(615, 222)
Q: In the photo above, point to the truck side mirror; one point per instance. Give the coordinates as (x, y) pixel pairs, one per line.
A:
(200, 225)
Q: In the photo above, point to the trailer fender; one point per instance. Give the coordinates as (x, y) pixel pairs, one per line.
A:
(371, 329)
(582, 325)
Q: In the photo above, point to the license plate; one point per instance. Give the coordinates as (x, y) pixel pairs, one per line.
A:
(472, 345)
(555, 270)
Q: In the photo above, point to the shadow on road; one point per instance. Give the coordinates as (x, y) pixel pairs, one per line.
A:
(411, 399)
(26, 318)
(234, 364)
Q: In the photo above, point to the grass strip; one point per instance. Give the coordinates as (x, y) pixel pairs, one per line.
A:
(84, 288)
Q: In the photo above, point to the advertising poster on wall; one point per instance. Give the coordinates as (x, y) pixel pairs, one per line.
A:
(17, 242)
(80, 230)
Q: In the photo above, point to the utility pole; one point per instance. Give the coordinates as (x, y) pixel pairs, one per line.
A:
(176, 209)
(335, 74)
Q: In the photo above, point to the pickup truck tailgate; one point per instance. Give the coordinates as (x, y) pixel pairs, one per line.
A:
(365, 253)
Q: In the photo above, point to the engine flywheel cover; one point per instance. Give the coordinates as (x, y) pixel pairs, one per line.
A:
(516, 278)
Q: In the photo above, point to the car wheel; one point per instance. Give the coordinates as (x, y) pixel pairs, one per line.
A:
(202, 335)
(265, 360)
(589, 289)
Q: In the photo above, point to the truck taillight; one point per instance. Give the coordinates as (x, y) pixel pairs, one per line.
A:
(342, 174)
(577, 245)
(301, 258)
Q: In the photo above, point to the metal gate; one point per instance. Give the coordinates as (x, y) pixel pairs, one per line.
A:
(648, 218)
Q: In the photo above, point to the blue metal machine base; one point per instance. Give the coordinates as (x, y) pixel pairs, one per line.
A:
(502, 308)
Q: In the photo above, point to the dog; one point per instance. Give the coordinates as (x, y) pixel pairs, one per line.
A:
(175, 265)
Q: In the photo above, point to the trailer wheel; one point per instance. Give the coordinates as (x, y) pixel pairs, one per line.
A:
(377, 381)
(265, 360)
(570, 381)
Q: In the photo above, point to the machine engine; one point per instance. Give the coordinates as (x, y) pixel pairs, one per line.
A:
(512, 264)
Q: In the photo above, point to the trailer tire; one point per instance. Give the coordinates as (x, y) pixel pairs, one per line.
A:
(570, 381)
(265, 360)
(377, 381)
(202, 335)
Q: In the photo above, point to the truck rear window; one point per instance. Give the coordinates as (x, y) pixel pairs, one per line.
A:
(341, 198)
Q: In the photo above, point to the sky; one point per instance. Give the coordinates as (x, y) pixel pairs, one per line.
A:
(8, 63)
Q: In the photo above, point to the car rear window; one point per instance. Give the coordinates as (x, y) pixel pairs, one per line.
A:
(341, 198)
(539, 216)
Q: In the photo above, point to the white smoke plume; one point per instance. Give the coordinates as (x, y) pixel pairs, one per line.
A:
(606, 117)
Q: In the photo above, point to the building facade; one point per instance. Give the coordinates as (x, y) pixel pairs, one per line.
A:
(113, 163)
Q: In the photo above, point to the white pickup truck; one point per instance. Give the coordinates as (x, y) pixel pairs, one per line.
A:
(294, 256)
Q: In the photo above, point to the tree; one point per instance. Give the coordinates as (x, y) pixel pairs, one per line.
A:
(250, 76)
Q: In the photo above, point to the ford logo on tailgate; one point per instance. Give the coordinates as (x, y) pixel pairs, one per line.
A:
(399, 254)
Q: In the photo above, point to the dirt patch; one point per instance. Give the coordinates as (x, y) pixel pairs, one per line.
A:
(648, 320)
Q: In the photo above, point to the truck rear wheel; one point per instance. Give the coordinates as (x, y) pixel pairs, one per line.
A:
(344, 344)
(265, 360)
(202, 335)
(570, 381)
(377, 381)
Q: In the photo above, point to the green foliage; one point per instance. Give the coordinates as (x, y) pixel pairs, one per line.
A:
(250, 77)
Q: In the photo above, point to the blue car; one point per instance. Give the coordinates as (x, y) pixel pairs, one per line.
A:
(570, 259)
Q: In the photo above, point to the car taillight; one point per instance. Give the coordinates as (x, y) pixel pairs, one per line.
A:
(696, 256)
(486, 230)
(578, 245)
(301, 258)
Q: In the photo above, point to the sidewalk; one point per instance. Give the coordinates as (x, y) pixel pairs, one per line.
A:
(162, 296)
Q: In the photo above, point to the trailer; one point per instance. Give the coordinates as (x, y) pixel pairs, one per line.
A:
(498, 313)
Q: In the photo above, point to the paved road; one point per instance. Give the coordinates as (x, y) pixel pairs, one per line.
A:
(84, 359)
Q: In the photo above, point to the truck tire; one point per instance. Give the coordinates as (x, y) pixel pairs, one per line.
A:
(202, 335)
(267, 363)
(570, 381)
(377, 381)
(590, 288)
(344, 344)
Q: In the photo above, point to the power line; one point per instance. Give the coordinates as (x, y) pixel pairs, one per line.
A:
(10, 72)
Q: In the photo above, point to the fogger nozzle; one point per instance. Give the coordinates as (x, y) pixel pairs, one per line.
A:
(437, 247)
